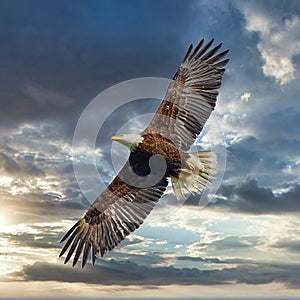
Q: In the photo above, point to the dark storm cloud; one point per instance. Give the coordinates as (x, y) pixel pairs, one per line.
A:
(56, 57)
(8, 164)
(265, 159)
(238, 243)
(249, 197)
(18, 167)
(112, 272)
(126, 273)
(213, 260)
(288, 244)
(43, 240)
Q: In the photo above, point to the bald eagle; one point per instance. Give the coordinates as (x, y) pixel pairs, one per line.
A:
(130, 197)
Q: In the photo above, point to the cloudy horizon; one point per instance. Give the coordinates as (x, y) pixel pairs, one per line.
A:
(57, 57)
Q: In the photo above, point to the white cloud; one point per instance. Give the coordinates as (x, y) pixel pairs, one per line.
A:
(279, 41)
(246, 96)
(5, 181)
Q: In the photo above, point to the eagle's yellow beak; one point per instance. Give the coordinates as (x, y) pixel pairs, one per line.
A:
(116, 138)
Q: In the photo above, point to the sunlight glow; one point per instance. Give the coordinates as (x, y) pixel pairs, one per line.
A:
(3, 221)
(5, 180)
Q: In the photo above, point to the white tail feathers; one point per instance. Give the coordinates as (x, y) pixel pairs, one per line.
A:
(199, 170)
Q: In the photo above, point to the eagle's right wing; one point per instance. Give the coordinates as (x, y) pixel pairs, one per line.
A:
(119, 210)
(191, 96)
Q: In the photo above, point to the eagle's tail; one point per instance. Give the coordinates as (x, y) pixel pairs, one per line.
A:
(199, 170)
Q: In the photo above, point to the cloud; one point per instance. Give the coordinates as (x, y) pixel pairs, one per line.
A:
(46, 169)
(249, 197)
(19, 168)
(269, 155)
(79, 55)
(37, 180)
(126, 273)
(38, 207)
(291, 245)
(34, 240)
(112, 272)
(279, 41)
(246, 96)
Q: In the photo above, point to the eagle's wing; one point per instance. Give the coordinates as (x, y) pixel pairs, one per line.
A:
(119, 210)
(191, 96)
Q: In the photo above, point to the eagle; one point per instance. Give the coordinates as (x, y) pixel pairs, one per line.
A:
(158, 155)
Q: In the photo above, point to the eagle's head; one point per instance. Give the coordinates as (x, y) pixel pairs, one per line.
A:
(129, 140)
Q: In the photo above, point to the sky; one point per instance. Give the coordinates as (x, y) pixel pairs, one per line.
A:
(57, 56)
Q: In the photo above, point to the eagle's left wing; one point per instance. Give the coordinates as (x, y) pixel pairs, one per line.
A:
(117, 212)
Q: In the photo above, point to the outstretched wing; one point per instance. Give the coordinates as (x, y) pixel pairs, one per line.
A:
(119, 210)
(191, 96)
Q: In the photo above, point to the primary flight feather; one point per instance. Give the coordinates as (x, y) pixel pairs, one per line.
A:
(158, 154)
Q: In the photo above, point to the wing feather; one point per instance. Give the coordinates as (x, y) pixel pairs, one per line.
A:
(117, 212)
(86, 251)
(195, 50)
(191, 96)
